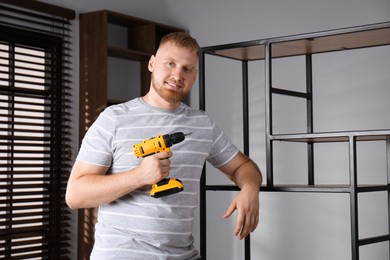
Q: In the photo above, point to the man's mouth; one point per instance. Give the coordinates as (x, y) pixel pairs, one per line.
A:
(173, 85)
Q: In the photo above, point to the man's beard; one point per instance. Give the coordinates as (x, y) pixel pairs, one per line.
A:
(167, 94)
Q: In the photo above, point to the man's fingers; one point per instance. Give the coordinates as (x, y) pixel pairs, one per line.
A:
(247, 219)
(246, 224)
(240, 224)
(164, 155)
(230, 210)
(246, 230)
(256, 223)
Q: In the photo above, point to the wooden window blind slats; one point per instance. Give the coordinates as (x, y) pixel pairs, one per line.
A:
(27, 145)
(31, 247)
(4, 68)
(28, 21)
(5, 91)
(23, 85)
(24, 102)
(36, 208)
(35, 150)
(27, 187)
(36, 230)
(28, 132)
(28, 220)
(23, 117)
(40, 212)
(3, 150)
(25, 178)
(27, 242)
(16, 158)
(41, 7)
(24, 138)
(26, 214)
(23, 144)
(26, 24)
(25, 165)
(22, 15)
(38, 120)
(22, 90)
(38, 255)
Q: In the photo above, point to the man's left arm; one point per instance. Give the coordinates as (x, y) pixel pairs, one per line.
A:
(247, 176)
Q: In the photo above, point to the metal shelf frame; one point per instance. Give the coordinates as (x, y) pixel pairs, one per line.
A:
(297, 45)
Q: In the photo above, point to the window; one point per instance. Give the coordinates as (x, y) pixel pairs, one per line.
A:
(35, 152)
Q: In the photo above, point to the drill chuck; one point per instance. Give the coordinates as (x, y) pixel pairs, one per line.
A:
(175, 138)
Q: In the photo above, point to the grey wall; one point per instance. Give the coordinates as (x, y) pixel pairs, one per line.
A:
(351, 92)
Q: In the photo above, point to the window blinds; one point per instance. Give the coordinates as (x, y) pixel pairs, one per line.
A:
(35, 149)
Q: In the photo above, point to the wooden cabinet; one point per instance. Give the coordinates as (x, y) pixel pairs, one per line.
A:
(139, 42)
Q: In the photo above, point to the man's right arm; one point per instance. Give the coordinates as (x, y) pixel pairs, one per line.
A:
(89, 186)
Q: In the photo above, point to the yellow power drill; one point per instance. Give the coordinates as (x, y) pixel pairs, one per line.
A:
(155, 145)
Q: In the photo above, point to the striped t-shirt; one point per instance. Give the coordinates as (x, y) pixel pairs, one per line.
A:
(138, 226)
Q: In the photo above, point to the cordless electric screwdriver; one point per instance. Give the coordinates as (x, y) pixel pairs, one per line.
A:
(155, 145)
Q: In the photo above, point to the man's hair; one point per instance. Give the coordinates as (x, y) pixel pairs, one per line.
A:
(182, 40)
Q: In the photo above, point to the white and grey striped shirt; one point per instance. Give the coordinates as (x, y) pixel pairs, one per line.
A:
(138, 226)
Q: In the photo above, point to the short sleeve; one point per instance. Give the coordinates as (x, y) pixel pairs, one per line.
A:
(97, 145)
(222, 150)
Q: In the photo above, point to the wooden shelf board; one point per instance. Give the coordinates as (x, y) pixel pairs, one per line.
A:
(131, 21)
(124, 20)
(305, 188)
(306, 44)
(370, 135)
(128, 54)
(338, 42)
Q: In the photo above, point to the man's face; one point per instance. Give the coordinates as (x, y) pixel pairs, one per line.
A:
(173, 72)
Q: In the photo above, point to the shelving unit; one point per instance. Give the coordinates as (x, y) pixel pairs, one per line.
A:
(305, 45)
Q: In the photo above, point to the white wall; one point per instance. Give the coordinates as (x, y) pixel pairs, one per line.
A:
(351, 91)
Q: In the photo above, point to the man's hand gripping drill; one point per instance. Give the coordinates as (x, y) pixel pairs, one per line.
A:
(155, 145)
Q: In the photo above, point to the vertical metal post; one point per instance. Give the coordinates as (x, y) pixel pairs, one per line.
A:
(388, 182)
(353, 199)
(268, 113)
(245, 104)
(202, 88)
(309, 117)
(202, 195)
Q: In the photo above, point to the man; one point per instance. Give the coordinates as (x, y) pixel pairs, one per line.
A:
(132, 224)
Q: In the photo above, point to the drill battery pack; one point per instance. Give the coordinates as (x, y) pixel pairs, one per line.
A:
(166, 187)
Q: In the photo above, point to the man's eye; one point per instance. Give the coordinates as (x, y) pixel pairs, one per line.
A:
(170, 64)
(187, 70)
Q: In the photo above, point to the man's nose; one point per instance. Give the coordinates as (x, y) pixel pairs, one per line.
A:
(177, 73)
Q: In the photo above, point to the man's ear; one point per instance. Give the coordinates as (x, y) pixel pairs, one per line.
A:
(151, 63)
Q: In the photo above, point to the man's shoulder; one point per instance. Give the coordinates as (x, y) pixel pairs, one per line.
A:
(193, 111)
(123, 108)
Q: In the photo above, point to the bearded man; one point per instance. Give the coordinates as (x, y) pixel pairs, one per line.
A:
(132, 224)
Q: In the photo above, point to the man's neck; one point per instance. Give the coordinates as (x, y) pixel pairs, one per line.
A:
(159, 102)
